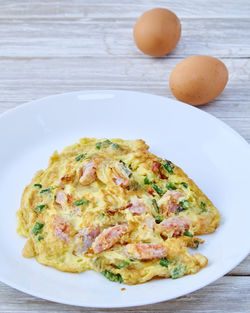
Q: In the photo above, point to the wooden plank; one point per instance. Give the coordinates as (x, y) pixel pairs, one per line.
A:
(125, 9)
(243, 268)
(89, 37)
(228, 294)
(54, 46)
(37, 77)
(26, 79)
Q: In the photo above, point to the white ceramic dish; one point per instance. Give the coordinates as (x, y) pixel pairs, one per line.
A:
(210, 152)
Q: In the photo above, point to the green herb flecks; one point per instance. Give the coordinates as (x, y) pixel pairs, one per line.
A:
(187, 233)
(165, 262)
(157, 189)
(203, 207)
(102, 215)
(168, 166)
(80, 202)
(98, 145)
(38, 186)
(155, 205)
(112, 277)
(37, 228)
(196, 244)
(47, 190)
(40, 237)
(178, 271)
(185, 185)
(80, 157)
(170, 186)
(158, 219)
(147, 181)
(115, 146)
(106, 143)
(184, 205)
(122, 264)
(40, 208)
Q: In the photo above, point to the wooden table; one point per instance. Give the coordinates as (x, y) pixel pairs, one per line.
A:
(49, 47)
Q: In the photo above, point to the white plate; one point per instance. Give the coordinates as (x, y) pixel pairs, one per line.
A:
(210, 152)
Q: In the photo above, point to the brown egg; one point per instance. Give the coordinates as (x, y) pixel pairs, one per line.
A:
(198, 79)
(157, 32)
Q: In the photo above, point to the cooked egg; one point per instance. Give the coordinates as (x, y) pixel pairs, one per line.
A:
(157, 32)
(113, 207)
(198, 79)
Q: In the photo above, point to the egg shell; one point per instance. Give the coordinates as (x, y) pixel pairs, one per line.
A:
(198, 79)
(157, 32)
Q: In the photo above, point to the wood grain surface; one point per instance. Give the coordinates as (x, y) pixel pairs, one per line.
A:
(49, 47)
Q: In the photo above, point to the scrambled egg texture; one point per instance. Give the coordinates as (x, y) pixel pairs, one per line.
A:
(113, 207)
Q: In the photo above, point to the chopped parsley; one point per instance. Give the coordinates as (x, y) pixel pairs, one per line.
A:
(157, 189)
(37, 228)
(147, 181)
(40, 237)
(184, 205)
(40, 208)
(115, 146)
(102, 214)
(112, 277)
(106, 143)
(185, 185)
(45, 190)
(196, 244)
(170, 186)
(98, 145)
(187, 233)
(80, 202)
(122, 264)
(168, 166)
(38, 186)
(103, 144)
(158, 219)
(155, 205)
(165, 262)
(80, 157)
(203, 207)
(178, 271)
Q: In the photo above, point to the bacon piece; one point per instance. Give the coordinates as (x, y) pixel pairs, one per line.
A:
(137, 207)
(163, 176)
(66, 178)
(61, 228)
(170, 205)
(88, 173)
(175, 225)
(69, 198)
(61, 198)
(109, 237)
(151, 191)
(85, 238)
(145, 251)
(156, 167)
(113, 211)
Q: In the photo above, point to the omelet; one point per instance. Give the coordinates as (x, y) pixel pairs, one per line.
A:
(113, 207)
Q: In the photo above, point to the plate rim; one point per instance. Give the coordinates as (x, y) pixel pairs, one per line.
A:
(240, 258)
